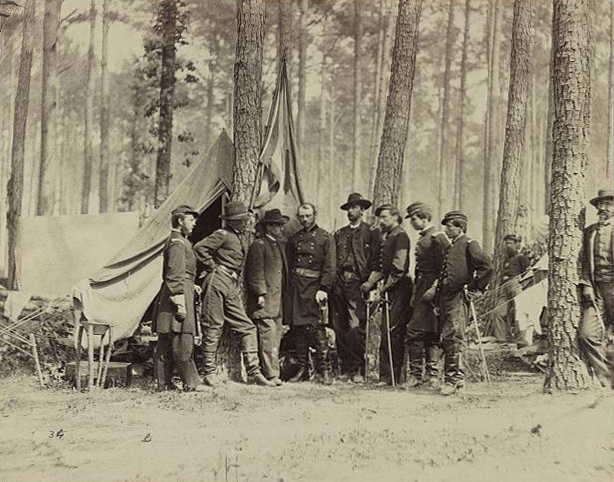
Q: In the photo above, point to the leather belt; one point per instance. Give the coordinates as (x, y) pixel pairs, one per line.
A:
(307, 273)
(228, 271)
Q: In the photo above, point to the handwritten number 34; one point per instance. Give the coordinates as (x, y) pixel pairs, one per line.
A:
(59, 434)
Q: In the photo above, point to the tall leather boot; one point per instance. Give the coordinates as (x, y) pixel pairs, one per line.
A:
(323, 367)
(416, 351)
(432, 363)
(301, 348)
(210, 368)
(254, 375)
(454, 376)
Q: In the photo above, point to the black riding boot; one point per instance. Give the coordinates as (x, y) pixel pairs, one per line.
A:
(432, 362)
(210, 367)
(416, 362)
(323, 367)
(454, 376)
(254, 375)
(301, 348)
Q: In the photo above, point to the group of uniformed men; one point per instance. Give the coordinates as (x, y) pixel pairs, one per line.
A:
(349, 271)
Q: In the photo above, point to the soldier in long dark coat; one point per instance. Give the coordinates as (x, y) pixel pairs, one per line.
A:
(265, 274)
(596, 287)
(174, 319)
(311, 262)
(357, 247)
(422, 332)
(466, 271)
(221, 255)
(393, 269)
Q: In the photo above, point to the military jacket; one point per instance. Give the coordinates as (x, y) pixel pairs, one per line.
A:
(394, 256)
(514, 266)
(465, 264)
(357, 249)
(178, 276)
(222, 248)
(597, 254)
(430, 251)
(313, 249)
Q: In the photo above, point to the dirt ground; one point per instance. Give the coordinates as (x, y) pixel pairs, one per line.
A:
(509, 431)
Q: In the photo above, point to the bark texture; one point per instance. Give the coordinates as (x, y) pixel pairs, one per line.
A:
(356, 126)
(104, 112)
(22, 100)
(396, 120)
(302, 76)
(572, 38)
(167, 100)
(460, 135)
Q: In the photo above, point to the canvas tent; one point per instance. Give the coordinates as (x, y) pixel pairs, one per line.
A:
(120, 293)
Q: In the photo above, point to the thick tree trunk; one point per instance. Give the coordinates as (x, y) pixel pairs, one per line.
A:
(356, 126)
(460, 135)
(491, 174)
(22, 99)
(513, 149)
(104, 112)
(388, 26)
(396, 121)
(86, 186)
(168, 12)
(302, 77)
(48, 158)
(247, 86)
(572, 37)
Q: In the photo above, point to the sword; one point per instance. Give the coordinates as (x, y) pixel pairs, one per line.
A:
(389, 342)
(477, 331)
(198, 339)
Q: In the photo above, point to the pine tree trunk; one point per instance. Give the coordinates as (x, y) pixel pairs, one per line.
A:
(331, 144)
(48, 159)
(22, 99)
(247, 87)
(356, 127)
(104, 112)
(550, 122)
(491, 174)
(513, 149)
(396, 120)
(572, 37)
(168, 12)
(445, 113)
(460, 135)
(86, 186)
(609, 153)
(302, 77)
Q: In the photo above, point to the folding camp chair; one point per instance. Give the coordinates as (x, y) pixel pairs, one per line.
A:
(92, 330)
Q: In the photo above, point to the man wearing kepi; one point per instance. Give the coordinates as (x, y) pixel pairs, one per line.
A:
(175, 320)
(356, 247)
(393, 269)
(466, 271)
(596, 287)
(422, 333)
(311, 263)
(265, 275)
(221, 255)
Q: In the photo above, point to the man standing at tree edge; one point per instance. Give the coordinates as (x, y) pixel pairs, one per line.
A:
(596, 287)
(422, 334)
(393, 269)
(174, 317)
(466, 271)
(356, 247)
(265, 276)
(221, 255)
(311, 262)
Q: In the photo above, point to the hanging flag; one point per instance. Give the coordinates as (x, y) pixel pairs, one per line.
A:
(277, 180)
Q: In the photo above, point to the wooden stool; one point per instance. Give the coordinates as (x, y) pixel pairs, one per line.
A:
(92, 330)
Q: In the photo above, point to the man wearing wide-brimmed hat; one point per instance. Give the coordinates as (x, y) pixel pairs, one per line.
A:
(596, 287)
(221, 254)
(466, 269)
(357, 247)
(174, 317)
(422, 334)
(265, 276)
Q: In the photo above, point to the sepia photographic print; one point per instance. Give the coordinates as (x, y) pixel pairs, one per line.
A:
(306, 240)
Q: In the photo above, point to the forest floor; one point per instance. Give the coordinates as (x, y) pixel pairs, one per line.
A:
(510, 431)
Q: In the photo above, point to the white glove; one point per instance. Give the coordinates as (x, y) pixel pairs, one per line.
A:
(321, 296)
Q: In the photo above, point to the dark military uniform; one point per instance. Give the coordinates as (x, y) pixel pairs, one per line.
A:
(357, 251)
(175, 336)
(422, 332)
(265, 275)
(597, 273)
(465, 265)
(394, 267)
(311, 262)
(503, 316)
(221, 255)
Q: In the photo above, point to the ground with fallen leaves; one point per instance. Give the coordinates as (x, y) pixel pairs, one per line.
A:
(509, 431)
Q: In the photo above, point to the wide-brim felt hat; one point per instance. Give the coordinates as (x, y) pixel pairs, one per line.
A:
(274, 216)
(603, 194)
(185, 209)
(235, 210)
(451, 215)
(356, 199)
(417, 207)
